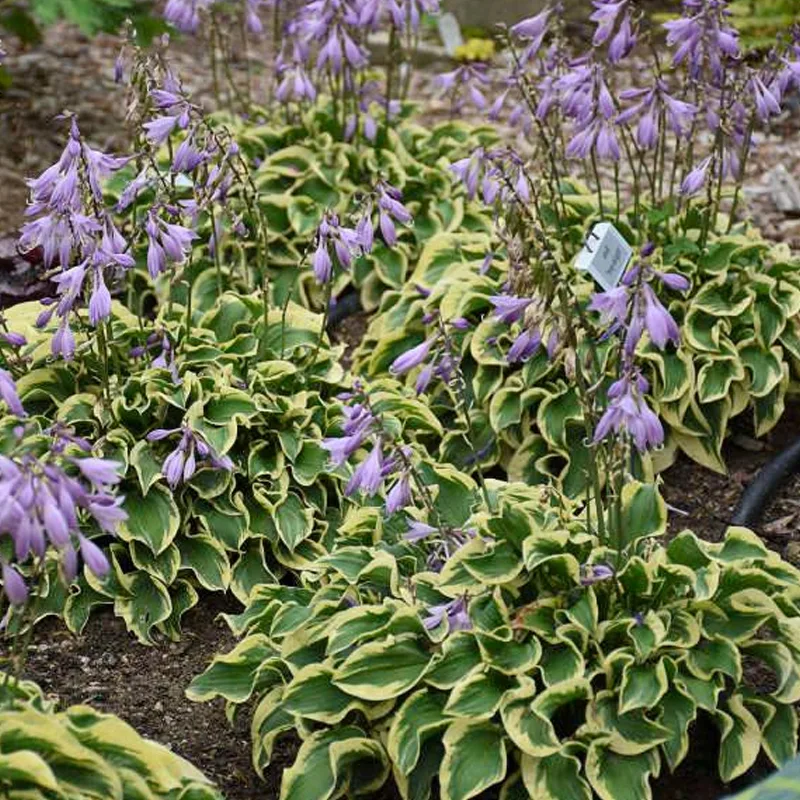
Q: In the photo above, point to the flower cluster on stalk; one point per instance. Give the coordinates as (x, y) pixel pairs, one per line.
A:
(387, 461)
(189, 15)
(77, 236)
(338, 244)
(191, 452)
(51, 487)
(630, 310)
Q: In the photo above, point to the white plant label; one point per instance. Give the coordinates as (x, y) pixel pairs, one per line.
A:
(450, 33)
(605, 255)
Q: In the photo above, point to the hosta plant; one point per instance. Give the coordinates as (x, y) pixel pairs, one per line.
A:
(301, 171)
(738, 348)
(81, 753)
(534, 660)
(669, 189)
(219, 437)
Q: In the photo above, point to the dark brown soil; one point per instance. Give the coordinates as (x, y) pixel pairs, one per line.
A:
(705, 501)
(106, 668)
(350, 331)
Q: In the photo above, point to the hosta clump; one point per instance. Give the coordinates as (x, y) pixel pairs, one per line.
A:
(226, 482)
(81, 753)
(534, 659)
(302, 170)
(239, 390)
(738, 346)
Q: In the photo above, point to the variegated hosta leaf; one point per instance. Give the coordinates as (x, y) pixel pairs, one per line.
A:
(334, 763)
(475, 758)
(83, 753)
(555, 777)
(383, 670)
(620, 777)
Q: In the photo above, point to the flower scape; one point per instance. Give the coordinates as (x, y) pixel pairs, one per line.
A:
(453, 571)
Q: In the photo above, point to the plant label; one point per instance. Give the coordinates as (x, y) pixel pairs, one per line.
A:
(450, 33)
(605, 255)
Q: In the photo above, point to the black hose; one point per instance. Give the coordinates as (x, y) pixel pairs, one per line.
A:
(770, 477)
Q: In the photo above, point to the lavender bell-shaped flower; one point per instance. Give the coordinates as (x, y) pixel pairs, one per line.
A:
(417, 531)
(181, 464)
(509, 309)
(9, 395)
(628, 414)
(696, 179)
(399, 495)
(524, 346)
(596, 573)
(14, 586)
(368, 475)
(411, 358)
(455, 612)
(657, 320)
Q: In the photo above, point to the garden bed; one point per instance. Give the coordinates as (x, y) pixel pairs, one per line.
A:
(224, 402)
(105, 667)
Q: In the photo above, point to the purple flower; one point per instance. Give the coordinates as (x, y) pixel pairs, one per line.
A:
(13, 339)
(166, 241)
(93, 557)
(99, 471)
(673, 280)
(107, 511)
(702, 38)
(424, 378)
(322, 264)
(399, 495)
(532, 27)
(346, 243)
(605, 15)
(411, 358)
(524, 346)
(455, 612)
(159, 129)
(623, 42)
(417, 531)
(368, 475)
(468, 171)
(40, 502)
(612, 305)
(63, 342)
(185, 14)
(14, 586)
(595, 573)
(696, 179)
(509, 309)
(628, 414)
(606, 144)
(767, 104)
(181, 464)
(657, 320)
(100, 300)
(8, 393)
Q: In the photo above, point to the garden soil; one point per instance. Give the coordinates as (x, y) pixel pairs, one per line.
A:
(145, 686)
